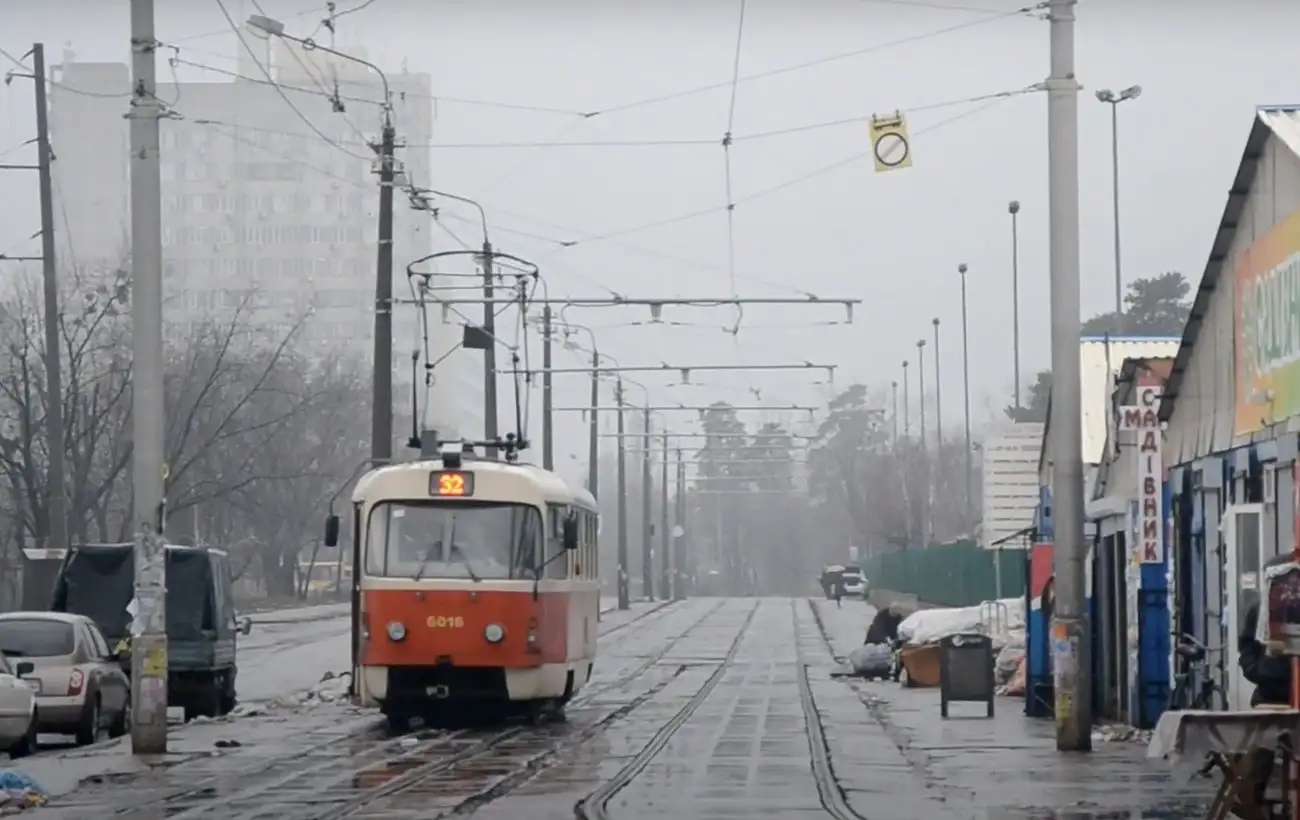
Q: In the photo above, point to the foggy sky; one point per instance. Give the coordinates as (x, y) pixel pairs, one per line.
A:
(893, 240)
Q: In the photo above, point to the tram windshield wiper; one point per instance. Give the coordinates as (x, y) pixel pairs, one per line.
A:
(457, 552)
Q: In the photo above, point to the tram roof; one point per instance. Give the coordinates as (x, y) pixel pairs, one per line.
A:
(548, 483)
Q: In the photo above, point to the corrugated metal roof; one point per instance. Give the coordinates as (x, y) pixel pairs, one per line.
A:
(1099, 367)
(1282, 121)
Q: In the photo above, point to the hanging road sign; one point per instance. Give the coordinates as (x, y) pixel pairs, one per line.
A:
(890, 145)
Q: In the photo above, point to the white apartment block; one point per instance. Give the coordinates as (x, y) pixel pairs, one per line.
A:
(261, 214)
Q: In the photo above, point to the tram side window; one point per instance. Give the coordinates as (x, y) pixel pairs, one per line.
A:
(558, 564)
(592, 547)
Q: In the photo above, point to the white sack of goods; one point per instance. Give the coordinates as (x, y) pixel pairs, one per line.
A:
(1003, 621)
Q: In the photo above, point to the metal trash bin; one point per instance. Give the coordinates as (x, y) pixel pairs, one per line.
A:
(966, 671)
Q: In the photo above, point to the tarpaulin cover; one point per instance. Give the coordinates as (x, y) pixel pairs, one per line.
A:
(98, 581)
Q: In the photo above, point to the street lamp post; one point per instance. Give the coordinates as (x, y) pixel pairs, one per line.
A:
(893, 386)
(907, 411)
(381, 420)
(1114, 99)
(965, 387)
(1014, 209)
(920, 384)
(938, 394)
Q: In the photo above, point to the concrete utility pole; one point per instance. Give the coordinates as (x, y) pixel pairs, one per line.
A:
(665, 537)
(58, 503)
(149, 623)
(623, 598)
(489, 352)
(381, 421)
(593, 429)
(1069, 638)
(548, 438)
(647, 521)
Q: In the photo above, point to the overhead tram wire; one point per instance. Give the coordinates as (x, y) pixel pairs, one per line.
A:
(332, 94)
(1022, 11)
(790, 183)
(234, 27)
(726, 158)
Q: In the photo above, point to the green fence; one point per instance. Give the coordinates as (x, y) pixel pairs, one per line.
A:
(956, 574)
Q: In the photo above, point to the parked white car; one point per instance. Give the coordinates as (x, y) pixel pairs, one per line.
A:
(81, 689)
(18, 718)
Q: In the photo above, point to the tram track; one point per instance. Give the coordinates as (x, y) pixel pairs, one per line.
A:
(270, 776)
(594, 805)
(528, 768)
(829, 791)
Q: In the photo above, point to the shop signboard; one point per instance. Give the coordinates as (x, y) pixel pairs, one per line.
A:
(1143, 419)
(1267, 294)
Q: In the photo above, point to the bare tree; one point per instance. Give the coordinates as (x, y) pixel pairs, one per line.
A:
(258, 436)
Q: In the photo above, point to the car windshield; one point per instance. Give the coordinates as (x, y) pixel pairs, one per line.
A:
(441, 539)
(36, 638)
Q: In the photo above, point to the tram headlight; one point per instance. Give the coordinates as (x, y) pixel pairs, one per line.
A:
(396, 631)
(494, 633)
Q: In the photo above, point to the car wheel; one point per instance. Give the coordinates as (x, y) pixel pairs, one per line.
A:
(88, 730)
(122, 722)
(27, 744)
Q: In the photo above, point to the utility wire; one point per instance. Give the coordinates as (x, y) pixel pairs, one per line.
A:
(915, 38)
(802, 128)
(790, 183)
(253, 55)
(726, 157)
(332, 94)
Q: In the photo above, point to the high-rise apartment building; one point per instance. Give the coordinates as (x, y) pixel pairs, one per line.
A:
(270, 201)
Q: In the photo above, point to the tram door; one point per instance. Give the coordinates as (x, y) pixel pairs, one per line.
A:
(1243, 540)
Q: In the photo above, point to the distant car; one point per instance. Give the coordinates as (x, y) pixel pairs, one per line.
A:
(18, 716)
(81, 688)
(855, 583)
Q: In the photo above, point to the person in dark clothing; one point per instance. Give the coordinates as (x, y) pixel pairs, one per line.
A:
(884, 627)
(1271, 675)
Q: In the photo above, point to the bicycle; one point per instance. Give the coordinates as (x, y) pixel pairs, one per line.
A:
(1209, 695)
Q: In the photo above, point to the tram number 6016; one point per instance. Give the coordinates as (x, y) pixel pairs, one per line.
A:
(446, 622)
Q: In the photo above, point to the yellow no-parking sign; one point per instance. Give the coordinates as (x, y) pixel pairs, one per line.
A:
(890, 146)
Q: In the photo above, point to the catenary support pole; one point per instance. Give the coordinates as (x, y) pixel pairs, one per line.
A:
(621, 498)
(647, 515)
(1069, 629)
(665, 535)
(681, 562)
(149, 624)
(548, 401)
(58, 509)
(489, 352)
(381, 420)
(593, 430)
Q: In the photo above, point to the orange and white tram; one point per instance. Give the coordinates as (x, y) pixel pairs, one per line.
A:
(478, 588)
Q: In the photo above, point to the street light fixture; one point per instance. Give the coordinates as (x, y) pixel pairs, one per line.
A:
(1113, 99)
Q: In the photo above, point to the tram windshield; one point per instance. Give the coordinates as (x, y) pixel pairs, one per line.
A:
(474, 540)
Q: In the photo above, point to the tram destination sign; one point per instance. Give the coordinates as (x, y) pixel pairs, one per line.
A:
(1144, 420)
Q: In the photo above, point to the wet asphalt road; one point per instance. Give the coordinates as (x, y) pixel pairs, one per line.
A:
(709, 709)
